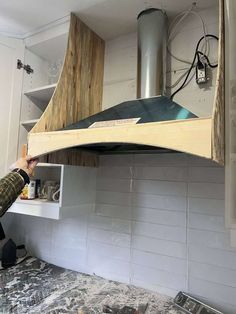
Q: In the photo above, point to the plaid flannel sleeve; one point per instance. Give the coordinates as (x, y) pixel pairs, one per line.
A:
(10, 188)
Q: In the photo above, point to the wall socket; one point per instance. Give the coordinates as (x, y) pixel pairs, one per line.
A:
(201, 74)
(191, 305)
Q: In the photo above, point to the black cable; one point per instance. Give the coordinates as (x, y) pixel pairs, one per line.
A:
(193, 62)
(207, 59)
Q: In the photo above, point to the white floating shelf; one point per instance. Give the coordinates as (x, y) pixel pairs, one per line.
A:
(53, 48)
(43, 93)
(38, 208)
(44, 164)
(29, 124)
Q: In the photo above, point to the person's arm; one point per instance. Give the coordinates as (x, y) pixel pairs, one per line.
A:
(12, 184)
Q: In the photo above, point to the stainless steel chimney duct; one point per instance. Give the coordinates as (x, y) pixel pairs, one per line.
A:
(152, 31)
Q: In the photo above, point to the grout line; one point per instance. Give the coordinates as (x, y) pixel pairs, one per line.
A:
(131, 215)
(187, 230)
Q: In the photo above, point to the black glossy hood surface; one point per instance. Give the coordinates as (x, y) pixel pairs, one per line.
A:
(154, 109)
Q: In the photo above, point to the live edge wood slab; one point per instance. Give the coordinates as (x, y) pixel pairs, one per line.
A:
(79, 95)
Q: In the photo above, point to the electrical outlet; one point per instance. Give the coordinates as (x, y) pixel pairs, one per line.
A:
(201, 74)
(191, 305)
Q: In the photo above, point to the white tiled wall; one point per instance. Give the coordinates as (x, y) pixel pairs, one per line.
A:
(163, 233)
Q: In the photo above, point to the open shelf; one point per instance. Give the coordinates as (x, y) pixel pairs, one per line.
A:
(52, 48)
(37, 207)
(29, 124)
(43, 93)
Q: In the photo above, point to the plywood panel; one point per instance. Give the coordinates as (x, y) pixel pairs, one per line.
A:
(79, 90)
(218, 119)
(190, 136)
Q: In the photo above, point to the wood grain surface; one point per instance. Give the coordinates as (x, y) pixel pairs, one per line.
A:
(79, 90)
(218, 118)
(191, 136)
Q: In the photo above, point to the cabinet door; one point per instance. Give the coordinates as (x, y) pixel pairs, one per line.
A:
(10, 99)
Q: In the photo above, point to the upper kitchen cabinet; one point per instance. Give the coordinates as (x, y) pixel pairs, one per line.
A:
(152, 116)
(11, 83)
(44, 55)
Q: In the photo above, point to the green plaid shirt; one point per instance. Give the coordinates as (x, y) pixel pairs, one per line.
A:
(10, 188)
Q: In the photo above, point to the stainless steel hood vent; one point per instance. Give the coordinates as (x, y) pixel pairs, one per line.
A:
(152, 105)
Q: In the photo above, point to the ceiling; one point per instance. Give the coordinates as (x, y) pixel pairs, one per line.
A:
(109, 18)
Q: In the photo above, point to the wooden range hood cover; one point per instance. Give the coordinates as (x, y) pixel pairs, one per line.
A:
(78, 95)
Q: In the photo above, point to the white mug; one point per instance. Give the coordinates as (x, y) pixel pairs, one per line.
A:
(56, 195)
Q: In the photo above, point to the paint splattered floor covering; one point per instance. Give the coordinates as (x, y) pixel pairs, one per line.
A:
(37, 287)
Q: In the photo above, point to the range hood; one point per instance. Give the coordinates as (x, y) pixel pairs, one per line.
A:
(73, 117)
(151, 105)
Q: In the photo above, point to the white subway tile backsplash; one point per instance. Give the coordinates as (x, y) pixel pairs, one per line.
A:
(207, 174)
(75, 256)
(194, 161)
(98, 250)
(153, 287)
(116, 160)
(114, 184)
(207, 190)
(159, 277)
(36, 247)
(106, 223)
(115, 172)
(213, 256)
(160, 187)
(162, 217)
(153, 245)
(168, 202)
(70, 226)
(207, 206)
(114, 211)
(158, 261)
(76, 262)
(213, 274)
(170, 160)
(212, 239)
(109, 237)
(110, 268)
(158, 231)
(161, 173)
(206, 222)
(214, 291)
(114, 198)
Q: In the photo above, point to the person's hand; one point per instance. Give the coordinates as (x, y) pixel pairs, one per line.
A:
(27, 164)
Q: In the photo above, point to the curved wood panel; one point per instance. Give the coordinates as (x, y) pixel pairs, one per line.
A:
(218, 119)
(79, 90)
(191, 136)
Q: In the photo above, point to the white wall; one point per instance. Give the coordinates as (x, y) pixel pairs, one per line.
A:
(159, 219)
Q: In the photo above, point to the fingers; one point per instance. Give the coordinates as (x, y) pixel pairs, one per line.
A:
(32, 163)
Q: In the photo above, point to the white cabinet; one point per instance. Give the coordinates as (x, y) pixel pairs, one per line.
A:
(44, 52)
(11, 83)
(77, 189)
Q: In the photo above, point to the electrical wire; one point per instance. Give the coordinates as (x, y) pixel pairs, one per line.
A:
(197, 52)
(180, 79)
(172, 32)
